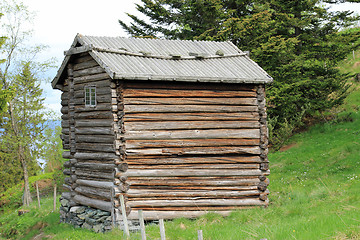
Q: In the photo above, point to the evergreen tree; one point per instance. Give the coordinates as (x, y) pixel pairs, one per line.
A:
(299, 43)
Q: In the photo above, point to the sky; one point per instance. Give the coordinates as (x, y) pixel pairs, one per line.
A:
(57, 23)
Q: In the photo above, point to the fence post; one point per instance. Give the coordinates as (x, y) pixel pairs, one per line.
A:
(37, 193)
(162, 229)
(123, 213)
(200, 235)
(142, 224)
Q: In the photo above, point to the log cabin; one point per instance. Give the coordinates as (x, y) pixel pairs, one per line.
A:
(176, 127)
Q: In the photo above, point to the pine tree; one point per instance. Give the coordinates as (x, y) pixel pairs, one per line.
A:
(299, 43)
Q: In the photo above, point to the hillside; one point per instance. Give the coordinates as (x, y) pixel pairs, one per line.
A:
(314, 193)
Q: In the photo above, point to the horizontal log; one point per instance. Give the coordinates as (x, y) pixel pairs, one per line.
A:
(135, 193)
(93, 174)
(96, 193)
(194, 151)
(95, 156)
(95, 147)
(196, 208)
(94, 130)
(95, 203)
(66, 154)
(188, 85)
(191, 116)
(96, 184)
(193, 182)
(196, 188)
(95, 139)
(143, 160)
(193, 134)
(199, 202)
(95, 166)
(98, 84)
(89, 71)
(94, 115)
(84, 65)
(191, 101)
(94, 123)
(132, 144)
(156, 215)
(91, 78)
(192, 172)
(98, 107)
(197, 166)
(185, 93)
(170, 125)
(187, 108)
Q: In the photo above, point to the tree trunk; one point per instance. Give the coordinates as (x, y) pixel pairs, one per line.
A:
(27, 195)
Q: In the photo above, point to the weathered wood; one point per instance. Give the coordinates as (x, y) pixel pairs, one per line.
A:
(171, 125)
(94, 123)
(93, 174)
(99, 91)
(91, 192)
(95, 147)
(89, 71)
(193, 134)
(109, 139)
(96, 156)
(84, 65)
(155, 215)
(197, 188)
(200, 235)
(190, 101)
(95, 166)
(91, 78)
(96, 184)
(162, 229)
(199, 202)
(94, 115)
(124, 216)
(195, 151)
(137, 194)
(192, 172)
(95, 203)
(187, 108)
(94, 131)
(98, 107)
(197, 166)
(185, 93)
(132, 144)
(99, 99)
(142, 225)
(191, 160)
(98, 84)
(191, 116)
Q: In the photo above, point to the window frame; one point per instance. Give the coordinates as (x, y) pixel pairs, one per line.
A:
(90, 96)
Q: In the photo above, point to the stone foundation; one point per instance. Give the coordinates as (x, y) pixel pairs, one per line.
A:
(91, 218)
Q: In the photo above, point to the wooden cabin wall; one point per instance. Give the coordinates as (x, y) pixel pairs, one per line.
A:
(88, 133)
(193, 147)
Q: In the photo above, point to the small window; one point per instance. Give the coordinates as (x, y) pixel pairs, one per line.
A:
(90, 96)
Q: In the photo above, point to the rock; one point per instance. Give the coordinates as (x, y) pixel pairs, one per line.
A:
(98, 228)
(87, 226)
(64, 202)
(77, 209)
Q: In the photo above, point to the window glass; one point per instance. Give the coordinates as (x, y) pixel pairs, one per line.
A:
(90, 96)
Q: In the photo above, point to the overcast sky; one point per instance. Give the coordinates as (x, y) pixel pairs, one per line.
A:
(57, 23)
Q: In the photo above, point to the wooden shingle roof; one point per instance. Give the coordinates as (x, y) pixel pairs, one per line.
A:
(167, 60)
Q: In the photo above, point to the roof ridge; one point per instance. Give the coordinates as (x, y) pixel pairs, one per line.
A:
(148, 55)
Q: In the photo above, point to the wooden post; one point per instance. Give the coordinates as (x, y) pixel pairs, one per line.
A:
(162, 229)
(142, 225)
(54, 196)
(112, 207)
(37, 193)
(200, 235)
(123, 213)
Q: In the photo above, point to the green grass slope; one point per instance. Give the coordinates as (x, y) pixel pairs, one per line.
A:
(314, 194)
